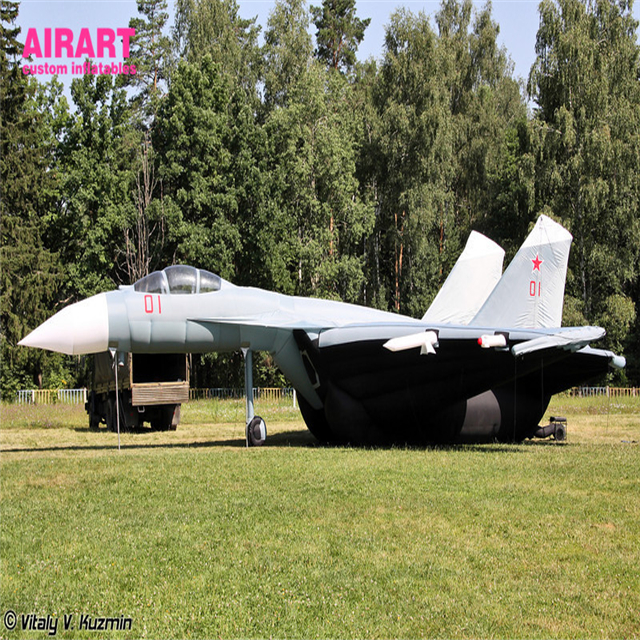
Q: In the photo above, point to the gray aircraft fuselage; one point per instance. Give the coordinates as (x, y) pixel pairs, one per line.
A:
(230, 319)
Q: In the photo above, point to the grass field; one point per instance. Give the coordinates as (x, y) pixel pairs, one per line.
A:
(189, 534)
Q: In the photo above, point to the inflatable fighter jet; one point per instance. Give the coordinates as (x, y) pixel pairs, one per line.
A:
(481, 365)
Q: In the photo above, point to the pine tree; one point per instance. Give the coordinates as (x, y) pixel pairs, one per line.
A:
(340, 32)
(97, 159)
(151, 51)
(322, 218)
(214, 28)
(191, 138)
(30, 271)
(447, 111)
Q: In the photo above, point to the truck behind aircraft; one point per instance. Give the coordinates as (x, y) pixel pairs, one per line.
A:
(152, 388)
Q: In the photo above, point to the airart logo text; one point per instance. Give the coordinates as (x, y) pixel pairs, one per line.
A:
(62, 43)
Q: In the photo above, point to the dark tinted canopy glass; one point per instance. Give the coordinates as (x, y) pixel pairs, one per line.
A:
(179, 279)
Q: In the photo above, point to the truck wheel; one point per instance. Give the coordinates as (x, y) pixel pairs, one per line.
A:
(90, 408)
(94, 422)
(165, 418)
(111, 417)
(159, 425)
(175, 417)
(110, 414)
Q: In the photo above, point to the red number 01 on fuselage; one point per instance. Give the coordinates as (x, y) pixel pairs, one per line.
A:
(148, 304)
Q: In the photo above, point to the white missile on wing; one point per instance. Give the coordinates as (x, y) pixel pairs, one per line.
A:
(426, 340)
(489, 341)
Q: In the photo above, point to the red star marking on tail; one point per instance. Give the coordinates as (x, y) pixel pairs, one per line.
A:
(537, 262)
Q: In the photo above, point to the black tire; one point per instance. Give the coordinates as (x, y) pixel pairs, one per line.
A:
(110, 413)
(164, 419)
(111, 416)
(256, 432)
(175, 417)
(90, 408)
(160, 425)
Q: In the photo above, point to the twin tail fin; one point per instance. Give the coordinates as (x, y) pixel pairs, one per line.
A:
(530, 294)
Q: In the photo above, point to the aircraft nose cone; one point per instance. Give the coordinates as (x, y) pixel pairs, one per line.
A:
(80, 328)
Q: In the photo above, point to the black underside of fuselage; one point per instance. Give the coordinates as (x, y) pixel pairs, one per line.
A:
(463, 394)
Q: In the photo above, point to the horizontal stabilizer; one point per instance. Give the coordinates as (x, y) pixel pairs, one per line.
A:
(617, 362)
(469, 284)
(530, 294)
(569, 340)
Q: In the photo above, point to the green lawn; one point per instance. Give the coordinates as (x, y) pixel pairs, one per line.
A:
(190, 534)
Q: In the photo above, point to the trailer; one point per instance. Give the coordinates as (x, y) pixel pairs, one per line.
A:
(151, 388)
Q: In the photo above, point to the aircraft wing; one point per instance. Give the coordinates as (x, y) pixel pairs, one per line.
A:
(453, 361)
(280, 319)
(309, 314)
(523, 343)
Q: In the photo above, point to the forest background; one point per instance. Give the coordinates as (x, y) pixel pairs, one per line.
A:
(288, 164)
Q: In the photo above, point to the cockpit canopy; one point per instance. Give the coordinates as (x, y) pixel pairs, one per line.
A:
(179, 279)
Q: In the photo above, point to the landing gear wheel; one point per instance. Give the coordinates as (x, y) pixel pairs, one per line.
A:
(256, 432)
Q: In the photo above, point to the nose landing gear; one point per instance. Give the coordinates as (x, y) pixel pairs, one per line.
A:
(256, 430)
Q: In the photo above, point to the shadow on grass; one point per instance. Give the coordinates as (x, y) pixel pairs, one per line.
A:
(294, 438)
(282, 439)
